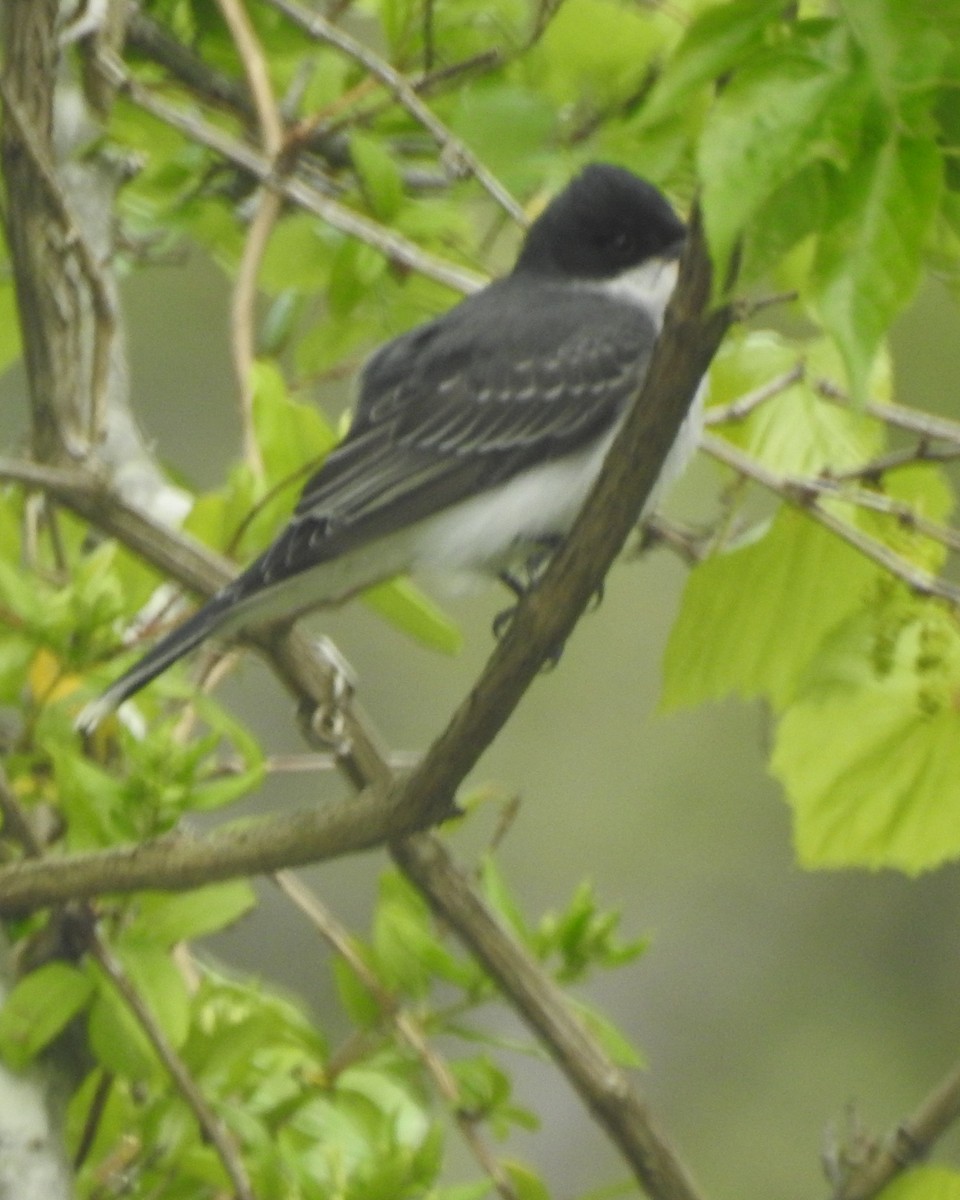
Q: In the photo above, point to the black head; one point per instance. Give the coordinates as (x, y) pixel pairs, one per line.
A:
(602, 224)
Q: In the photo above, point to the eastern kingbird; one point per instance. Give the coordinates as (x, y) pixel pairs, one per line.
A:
(477, 435)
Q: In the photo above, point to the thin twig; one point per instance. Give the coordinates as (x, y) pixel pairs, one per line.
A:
(909, 1143)
(740, 408)
(690, 545)
(153, 41)
(803, 494)
(268, 210)
(899, 510)
(924, 424)
(394, 247)
(338, 937)
(749, 307)
(255, 69)
(210, 1124)
(908, 456)
(455, 153)
(425, 85)
(310, 762)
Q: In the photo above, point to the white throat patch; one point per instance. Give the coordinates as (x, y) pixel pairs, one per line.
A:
(649, 285)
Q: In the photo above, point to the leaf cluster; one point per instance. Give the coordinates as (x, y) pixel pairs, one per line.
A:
(310, 1119)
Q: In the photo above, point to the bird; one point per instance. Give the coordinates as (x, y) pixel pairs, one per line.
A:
(477, 435)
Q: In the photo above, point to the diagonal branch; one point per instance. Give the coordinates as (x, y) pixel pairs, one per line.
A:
(547, 615)
(542, 623)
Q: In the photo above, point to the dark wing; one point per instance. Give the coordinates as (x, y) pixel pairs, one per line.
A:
(462, 404)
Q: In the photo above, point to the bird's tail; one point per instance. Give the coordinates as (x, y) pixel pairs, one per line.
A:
(174, 645)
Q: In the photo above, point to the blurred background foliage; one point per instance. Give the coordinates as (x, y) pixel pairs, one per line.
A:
(769, 999)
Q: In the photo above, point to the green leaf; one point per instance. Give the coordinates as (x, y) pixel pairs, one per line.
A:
(463, 1191)
(116, 1039)
(379, 175)
(401, 930)
(299, 255)
(906, 44)
(772, 120)
(719, 39)
(869, 753)
(500, 898)
(767, 606)
(784, 223)
(869, 258)
(159, 982)
(393, 1098)
(796, 432)
(585, 936)
(359, 1005)
(38, 1008)
(356, 268)
(404, 605)
(527, 1185)
(216, 792)
(507, 127)
(91, 798)
(484, 1088)
(165, 919)
(607, 1034)
(595, 51)
(289, 434)
(924, 1183)
(222, 519)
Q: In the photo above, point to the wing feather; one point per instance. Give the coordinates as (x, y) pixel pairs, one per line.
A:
(465, 403)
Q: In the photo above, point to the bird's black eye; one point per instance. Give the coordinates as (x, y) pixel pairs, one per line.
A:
(620, 241)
